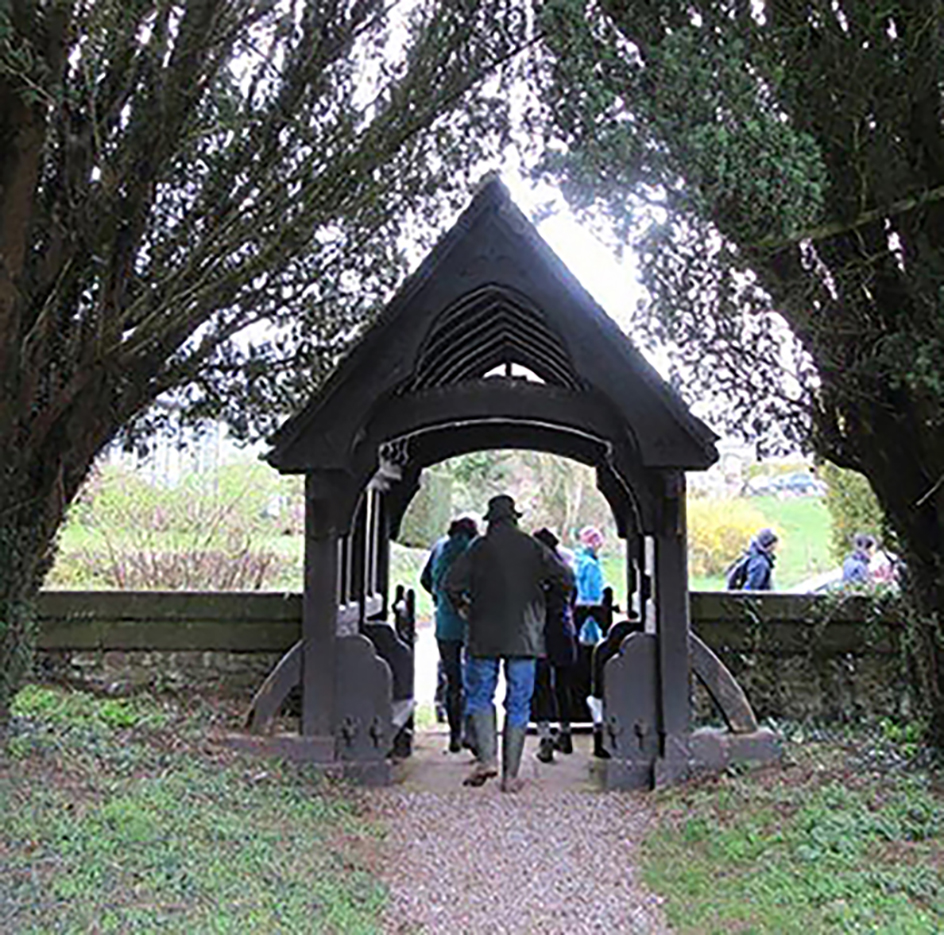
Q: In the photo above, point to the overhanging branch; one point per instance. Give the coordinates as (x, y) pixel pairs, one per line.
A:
(834, 228)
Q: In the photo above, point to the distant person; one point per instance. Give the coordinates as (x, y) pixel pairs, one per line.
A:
(450, 626)
(589, 591)
(554, 674)
(759, 570)
(855, 569)
(588, 568)
(502, 579)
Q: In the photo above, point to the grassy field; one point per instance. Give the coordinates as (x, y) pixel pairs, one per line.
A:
(803, 525)
(845, 838)
(802, 522)
(123, 815)
(116, 815)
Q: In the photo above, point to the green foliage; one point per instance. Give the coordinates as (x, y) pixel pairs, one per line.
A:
(126, 834)
(476, 477)
(799, 853)
(560, 494)
(430, 512)
(719, 531)
(746, 167)
(62, 709)
(852, 508)
(549, 490)
(694, 113)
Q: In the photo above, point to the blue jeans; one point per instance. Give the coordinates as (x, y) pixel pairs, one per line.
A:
(481, 678)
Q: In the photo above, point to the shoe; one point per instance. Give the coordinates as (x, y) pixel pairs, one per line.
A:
(599, 750)
(455, 745)
(480, 774)
(546, 750)
(564, 743)
(486, 765)
(513, 739)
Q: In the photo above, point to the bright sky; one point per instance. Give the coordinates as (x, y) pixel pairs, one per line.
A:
(613, 283)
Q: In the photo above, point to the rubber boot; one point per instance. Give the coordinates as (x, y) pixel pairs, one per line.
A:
(486, 740)
(512, 747)
(454, 716)
(564, 743)
(598, 749)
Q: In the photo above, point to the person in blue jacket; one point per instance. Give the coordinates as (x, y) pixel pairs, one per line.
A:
(760, 562)
(855, 569)
(589, 572)
(450, 626)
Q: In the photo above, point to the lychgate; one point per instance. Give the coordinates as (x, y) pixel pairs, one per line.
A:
(492, 343)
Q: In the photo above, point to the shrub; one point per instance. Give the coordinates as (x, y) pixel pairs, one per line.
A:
(203, 534)
(237, 568)
(718, 531)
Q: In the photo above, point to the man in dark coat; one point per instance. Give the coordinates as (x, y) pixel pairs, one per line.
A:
(501, 579)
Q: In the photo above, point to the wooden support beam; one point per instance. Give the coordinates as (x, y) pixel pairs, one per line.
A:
(319, 615)
(672, 615)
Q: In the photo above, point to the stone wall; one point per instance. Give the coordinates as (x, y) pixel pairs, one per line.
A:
(122, 672)
(796, 657)
(810, 688)
(844, 688)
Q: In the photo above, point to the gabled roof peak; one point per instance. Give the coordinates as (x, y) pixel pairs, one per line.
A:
(492, 293)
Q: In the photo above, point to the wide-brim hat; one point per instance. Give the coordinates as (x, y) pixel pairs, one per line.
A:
(501, 507)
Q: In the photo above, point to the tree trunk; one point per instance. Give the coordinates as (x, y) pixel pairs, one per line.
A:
(31, 513)
(37, 488)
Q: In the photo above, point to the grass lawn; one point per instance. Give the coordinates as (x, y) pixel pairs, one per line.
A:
(117, 816)
(844, 839)
(803, 524)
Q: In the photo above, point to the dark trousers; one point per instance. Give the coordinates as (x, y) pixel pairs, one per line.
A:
(450, 654)
(552, 692)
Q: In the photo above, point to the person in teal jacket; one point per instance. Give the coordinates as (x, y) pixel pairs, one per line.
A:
(589, 572)
(450, 626)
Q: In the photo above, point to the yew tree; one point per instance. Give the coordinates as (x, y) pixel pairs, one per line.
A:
(779, 165)
(203, 200)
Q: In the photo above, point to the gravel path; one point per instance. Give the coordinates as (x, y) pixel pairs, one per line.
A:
(545, 861)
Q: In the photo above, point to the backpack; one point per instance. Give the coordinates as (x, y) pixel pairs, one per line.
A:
(736, 575)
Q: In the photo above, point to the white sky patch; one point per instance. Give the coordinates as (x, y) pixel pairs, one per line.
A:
(612, 282)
